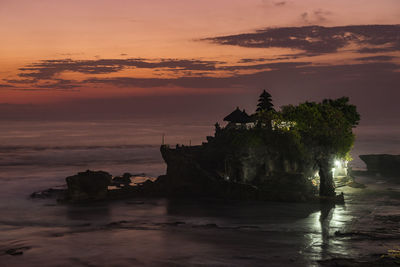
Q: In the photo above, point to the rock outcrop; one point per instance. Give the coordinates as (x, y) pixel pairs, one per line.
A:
(384, 164)
(89, 185)
(252, 174)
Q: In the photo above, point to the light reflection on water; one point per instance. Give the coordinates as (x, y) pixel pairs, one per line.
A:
(319, 242)
(176, 232)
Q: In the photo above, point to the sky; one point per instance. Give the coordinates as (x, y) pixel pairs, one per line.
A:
(110, 58)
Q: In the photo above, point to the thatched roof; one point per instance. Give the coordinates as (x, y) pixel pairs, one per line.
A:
(238, 116)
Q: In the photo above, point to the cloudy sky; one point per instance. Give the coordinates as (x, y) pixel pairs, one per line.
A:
(196, 57)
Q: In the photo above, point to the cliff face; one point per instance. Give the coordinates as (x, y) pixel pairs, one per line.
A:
(256, 165)
(244, 171)
(185, 175)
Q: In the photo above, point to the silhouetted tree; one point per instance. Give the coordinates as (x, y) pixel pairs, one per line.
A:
(265, 102)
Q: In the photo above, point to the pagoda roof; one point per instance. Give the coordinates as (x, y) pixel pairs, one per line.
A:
(238, 116)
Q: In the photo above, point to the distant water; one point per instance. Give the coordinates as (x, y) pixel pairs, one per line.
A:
(55, 149)
(38, 155)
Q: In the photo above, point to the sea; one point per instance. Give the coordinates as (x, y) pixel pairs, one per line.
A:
(36, 155)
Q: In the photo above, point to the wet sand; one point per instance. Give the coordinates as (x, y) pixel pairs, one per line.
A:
(160, 232)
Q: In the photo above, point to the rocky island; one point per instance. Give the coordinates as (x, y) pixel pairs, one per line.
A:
(287, 155)
(384, 164)
(293, 154)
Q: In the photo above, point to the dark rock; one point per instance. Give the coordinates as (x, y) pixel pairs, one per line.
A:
(193, 172)
(49, 193)
(146, 183)
(185, 176)
(384, 164)
(173, 223)
(89, 185)
(116, 224)
(125, 179)
(16, 251)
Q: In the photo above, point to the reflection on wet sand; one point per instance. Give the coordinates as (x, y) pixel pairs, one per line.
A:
(325, 219)
(182, 232)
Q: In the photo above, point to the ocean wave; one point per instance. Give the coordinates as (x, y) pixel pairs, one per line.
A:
(79, 156)
(75, 147)
(82, 163)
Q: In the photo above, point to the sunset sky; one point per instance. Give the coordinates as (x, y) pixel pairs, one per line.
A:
(191, 56)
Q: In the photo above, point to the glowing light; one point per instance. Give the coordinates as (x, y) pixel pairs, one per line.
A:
(337, 163)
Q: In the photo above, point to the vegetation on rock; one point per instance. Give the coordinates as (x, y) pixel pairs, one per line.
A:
(326, 129)
(310, 136)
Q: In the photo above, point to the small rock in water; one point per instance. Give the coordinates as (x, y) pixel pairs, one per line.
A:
(174, 223)
(123, 180)
(48, 193)
(16, 251)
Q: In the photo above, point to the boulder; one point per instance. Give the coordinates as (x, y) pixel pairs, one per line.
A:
(87, 186)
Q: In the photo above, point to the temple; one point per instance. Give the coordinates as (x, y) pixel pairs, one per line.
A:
(239, 119)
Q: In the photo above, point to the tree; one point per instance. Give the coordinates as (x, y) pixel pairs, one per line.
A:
(349, 111)
(265, 102)
(326, 129)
